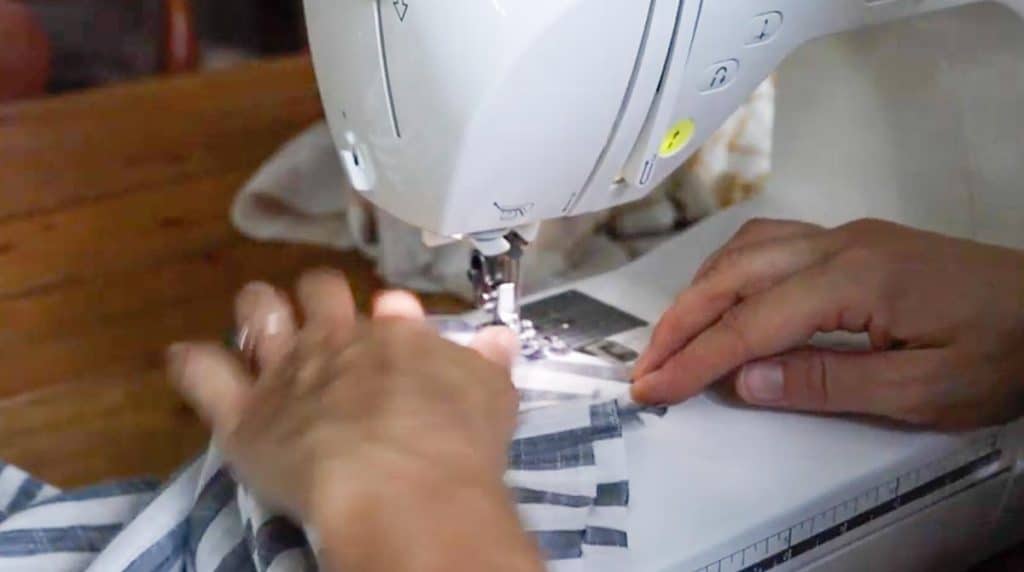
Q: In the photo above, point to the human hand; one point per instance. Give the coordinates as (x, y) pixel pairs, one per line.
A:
(379, 422)
(945, 318)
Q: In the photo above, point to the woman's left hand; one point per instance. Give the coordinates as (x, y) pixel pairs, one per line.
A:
(945, 318)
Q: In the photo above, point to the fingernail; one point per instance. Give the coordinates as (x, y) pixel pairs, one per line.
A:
(252, 299)
(762, 382)
(397, 304)
(644, 390)
(273, 323)
(257, 289)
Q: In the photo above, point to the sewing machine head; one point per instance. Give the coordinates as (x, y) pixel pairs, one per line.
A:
(476, 119)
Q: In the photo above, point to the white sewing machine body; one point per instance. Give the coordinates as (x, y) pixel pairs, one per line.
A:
(475, 116)
(470, 116)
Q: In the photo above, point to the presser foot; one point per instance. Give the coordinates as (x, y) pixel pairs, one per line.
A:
(534, 344)
(502, 305)
(494, 274)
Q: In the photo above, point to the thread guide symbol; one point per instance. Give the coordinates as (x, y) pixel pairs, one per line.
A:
(401, 8)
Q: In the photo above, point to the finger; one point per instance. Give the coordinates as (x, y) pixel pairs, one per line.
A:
(693, 310)
(326, 301)
(266, 318)
(759, 230)
(876, 383)
(213, 382)
(742, 273)
(750, 268)
(398, 304)
(762, 229)
(767, 324)
(498, 344)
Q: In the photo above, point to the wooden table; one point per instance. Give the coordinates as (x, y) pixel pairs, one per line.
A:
(114, 242)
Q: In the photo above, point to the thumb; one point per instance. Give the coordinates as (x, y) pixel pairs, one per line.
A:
(498, 344)
(875, 383)
(213, 382)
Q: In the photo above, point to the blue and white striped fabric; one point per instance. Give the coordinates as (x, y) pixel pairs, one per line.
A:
(567, 472)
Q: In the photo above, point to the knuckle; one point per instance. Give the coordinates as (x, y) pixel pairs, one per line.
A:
(876, 223)
(335, 338)
(394, 338)
(712, 268)
(732, 257)
(753, 226)
(409, 346)
(814, 371)
(858, 257)
(880, 334)
(733, 324)
(864, 226)
(913, 402)
(862, 271)
(375, 354)
(726, 260)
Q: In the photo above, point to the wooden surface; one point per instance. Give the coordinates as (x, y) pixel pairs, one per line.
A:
(114, 242)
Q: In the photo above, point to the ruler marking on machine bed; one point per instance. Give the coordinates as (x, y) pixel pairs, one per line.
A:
(855, 512)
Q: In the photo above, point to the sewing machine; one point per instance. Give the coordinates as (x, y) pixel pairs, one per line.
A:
(479, 119)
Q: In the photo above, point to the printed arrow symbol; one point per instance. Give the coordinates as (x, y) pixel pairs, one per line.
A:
(401, 8)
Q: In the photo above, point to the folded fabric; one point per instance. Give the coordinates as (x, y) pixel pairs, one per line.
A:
(566, 473)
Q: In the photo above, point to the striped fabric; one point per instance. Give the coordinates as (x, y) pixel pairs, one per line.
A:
(567, 473)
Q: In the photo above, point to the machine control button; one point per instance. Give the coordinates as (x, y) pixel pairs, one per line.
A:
(647, 172)
(356, 162)
(763, 27)
(719, 75)
(677, 137)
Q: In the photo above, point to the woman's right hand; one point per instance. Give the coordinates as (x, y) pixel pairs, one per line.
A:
(378, 422)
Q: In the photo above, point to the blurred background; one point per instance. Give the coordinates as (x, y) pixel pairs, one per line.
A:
(56, 46)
